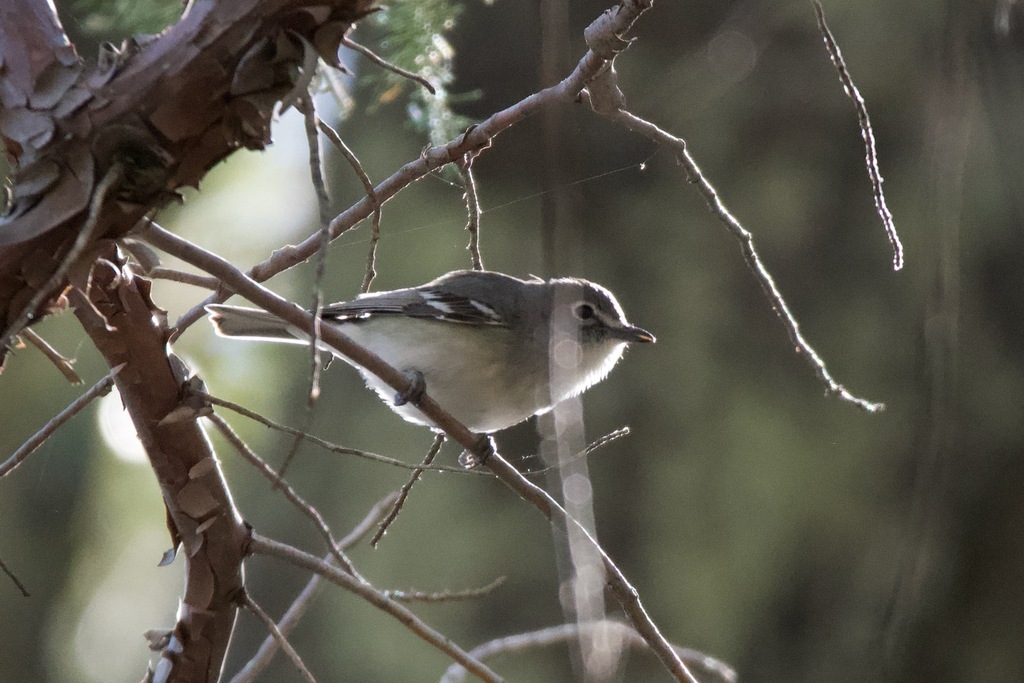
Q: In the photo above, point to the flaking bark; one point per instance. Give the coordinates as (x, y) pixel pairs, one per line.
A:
(128, 329)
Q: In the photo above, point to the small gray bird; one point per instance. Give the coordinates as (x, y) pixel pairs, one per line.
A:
(489, 348)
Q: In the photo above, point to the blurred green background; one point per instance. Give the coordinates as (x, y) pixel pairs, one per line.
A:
(792, 535)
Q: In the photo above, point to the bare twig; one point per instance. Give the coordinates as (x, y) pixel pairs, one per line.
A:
(608, 101)
(613, 24)
(194, 279)
(871, 155)
(403, 495)
(305, 106)
(289, 493)
(64, 365)
(594, 445)
(327, 445)
(371, 193)
(15, 579)
(101, 388)
(446, 596)
(567, 632)
(294, 613)
(275, 632)
(261, 545)
(603, 441)
(473, 210)
(316, 173)
(384, 64)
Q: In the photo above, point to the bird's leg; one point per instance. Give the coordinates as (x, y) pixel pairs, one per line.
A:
(483, 449)
(417, 387)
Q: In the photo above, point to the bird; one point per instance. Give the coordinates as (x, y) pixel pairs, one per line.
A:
(490, 348)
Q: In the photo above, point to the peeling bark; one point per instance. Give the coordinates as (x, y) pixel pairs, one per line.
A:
(129, 329)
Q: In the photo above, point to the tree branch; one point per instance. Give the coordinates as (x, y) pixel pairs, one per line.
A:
(64, 365)
(101, 388)
(278, 636)
(473, 211)
(124, 325)
(17, 582)
(385, 64)
(371, 193)
(867, 133)
(568, 632)
(607, 100)
(326, 445)
(264, 546)
(301, 505)
(403, 494)
(270, 645)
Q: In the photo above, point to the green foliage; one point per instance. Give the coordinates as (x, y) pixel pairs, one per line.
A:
(112, 19)
(411, 34)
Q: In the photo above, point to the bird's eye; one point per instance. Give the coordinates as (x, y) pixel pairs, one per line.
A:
(583, 311)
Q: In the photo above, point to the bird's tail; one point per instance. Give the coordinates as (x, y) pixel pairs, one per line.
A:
(249, 323)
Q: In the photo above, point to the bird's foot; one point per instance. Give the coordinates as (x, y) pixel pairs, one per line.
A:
(483, 449)
(417, 387)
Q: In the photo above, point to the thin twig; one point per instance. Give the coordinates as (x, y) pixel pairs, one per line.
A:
(446, 596)
(567, 632)
(384, 64)
(403, 495)
(86, 235)
(251, 605)
(473, 211)
(871, 155)
(371, 193)
(594, 445)
(101, 388)
(261, 660)
(267, 471)
(323, 199)
(194, 279)
(260, 545)
(327, 445)
(64, 365)
(15, 579)
(305, 106)
(607, 100)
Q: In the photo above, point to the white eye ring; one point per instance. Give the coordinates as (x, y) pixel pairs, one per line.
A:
(583, 311)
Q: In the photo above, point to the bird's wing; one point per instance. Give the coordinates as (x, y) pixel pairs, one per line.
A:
(420, 302)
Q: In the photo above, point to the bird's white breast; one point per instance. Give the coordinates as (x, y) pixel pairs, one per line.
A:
(470, 372)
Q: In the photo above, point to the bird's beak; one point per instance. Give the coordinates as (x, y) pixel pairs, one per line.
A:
(633, 334)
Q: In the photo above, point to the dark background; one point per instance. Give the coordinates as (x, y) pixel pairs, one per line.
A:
(790, 534)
